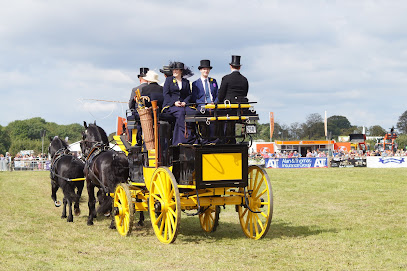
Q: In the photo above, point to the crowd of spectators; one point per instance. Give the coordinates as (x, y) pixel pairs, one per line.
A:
(23, 162)
(338, 154)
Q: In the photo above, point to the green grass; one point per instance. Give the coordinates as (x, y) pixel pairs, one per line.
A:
(324, 219)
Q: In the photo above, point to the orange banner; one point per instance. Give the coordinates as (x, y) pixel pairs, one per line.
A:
(121, 123)
(264, 148)
(271, 125)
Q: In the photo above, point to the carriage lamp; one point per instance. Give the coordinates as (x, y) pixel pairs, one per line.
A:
(251, 129)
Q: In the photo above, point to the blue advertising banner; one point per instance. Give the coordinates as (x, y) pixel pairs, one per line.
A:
(296, 162)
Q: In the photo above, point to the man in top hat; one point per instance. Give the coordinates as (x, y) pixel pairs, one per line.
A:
(153, 90)
(205, 91)
(132, 104)
(143, 83)
(234, 87)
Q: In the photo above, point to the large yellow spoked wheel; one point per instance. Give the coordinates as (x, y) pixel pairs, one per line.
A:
(123, 209)
(210, 218)
(164, 205)
(255, 216)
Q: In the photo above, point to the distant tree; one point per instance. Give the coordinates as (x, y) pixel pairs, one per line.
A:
(376, 130)
(338, 124)
(402, 141)
(313, 128)
(402, 123)
(4, 141)
(295, 131)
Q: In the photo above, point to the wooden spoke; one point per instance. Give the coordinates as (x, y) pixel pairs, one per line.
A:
(256, 214)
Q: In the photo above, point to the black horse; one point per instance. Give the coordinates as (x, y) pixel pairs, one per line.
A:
(105, 168)
(64, 168)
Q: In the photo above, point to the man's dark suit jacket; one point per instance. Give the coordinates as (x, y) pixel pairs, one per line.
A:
(132, 102)
(154, 92)
(234, 87)
(172, 93)
(198, 91)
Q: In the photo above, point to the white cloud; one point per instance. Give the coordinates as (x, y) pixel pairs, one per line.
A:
(347, 57)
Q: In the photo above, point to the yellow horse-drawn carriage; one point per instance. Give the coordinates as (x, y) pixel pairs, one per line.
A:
(199, 178)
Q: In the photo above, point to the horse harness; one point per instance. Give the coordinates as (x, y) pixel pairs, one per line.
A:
(96, 150)
(57, 156)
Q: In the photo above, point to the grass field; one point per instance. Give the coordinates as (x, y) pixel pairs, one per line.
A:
(324, 219)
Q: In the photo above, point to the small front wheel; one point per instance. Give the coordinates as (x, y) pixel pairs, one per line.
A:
(123, 209)
(255, 216)
(164, 205)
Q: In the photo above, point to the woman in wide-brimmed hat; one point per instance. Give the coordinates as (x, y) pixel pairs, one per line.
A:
(177, 94)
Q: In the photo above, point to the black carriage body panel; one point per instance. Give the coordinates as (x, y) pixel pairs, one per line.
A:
(211, 165)
(137, 160)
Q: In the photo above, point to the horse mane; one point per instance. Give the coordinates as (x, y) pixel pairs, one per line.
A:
(99, 134)
(63, 142)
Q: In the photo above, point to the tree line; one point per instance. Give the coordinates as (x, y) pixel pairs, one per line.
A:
(27, 134)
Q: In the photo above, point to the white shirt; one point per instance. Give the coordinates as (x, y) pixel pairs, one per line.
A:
(210, 92)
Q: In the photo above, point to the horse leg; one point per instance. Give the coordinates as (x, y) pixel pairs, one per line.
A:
(54, 189)
(91, 202)
(70, 216)
(64, 208)
(112, 223)
(141, 221)
(79, 194)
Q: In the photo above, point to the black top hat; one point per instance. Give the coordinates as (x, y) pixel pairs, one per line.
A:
(143, 72)
(235, 61)
(205, 64)
(166, 70)
(177, 65)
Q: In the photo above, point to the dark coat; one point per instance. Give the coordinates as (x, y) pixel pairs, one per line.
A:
(132, 102)
(234, 87)
(154, 92)
(198, 91)
(172, 93)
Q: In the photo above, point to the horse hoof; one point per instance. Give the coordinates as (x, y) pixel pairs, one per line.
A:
(112, 226)
(57, 203)
(63, 216)
(107, 214)
(90, 223)
(70, 219)
(140, 223)
(77, 212)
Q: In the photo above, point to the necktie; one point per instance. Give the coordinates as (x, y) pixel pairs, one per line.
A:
(207, 95)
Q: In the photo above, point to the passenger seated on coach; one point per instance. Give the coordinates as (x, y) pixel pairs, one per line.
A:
(205, 91)
(177, 94)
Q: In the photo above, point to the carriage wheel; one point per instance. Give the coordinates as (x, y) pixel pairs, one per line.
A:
(123, 209)
(164, 205)
(210, 219)
(260, 200)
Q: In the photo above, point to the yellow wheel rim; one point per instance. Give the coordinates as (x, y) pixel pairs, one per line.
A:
(210, 219)
(123, 209)
(164, 205)
(259, 194)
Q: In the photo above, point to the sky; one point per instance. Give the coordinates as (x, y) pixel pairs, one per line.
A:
(348, 58)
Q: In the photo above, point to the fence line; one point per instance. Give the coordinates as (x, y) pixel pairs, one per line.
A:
(30, 164)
